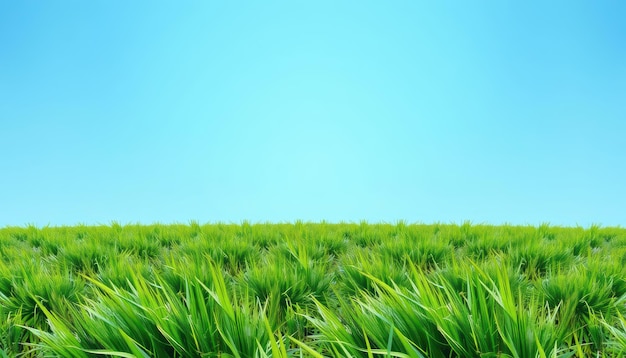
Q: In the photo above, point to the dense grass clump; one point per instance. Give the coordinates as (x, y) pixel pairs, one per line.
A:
(312, 289)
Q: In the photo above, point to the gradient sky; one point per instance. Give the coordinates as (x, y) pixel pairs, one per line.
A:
(425, 111)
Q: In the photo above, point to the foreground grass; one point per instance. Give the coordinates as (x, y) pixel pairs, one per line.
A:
(304, 289)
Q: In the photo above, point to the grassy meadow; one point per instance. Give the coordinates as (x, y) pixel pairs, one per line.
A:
(312, 290)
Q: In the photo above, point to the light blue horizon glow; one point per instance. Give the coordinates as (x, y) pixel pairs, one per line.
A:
(167, 112)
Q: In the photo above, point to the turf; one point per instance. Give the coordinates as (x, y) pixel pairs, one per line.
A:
(312, 289)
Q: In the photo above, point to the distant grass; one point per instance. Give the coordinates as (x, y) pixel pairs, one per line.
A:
(312, 289)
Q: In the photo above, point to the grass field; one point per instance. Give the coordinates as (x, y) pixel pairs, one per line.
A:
(312, 289)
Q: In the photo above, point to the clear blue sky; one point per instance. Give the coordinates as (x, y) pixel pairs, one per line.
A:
(425, 111)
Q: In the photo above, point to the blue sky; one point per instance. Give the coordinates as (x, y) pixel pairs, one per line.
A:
(162, 111)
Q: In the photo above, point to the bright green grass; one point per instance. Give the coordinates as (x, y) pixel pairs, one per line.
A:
(312, 289)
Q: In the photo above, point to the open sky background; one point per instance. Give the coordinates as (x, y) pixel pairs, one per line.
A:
(425, 111)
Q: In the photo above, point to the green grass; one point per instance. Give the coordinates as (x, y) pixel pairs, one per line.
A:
(312, 290)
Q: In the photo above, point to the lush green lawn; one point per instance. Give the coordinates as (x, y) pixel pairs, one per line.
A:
(319, 289)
